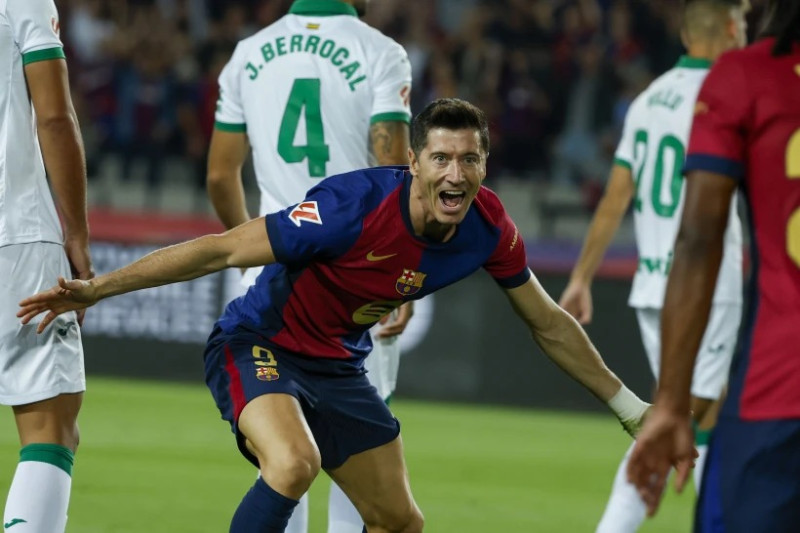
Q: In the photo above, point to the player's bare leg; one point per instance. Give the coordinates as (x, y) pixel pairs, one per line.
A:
(376, 481)
(277, 434)
(39, 494)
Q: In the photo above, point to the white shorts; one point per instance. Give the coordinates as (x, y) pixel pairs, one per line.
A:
(716, 349)
(36, 367)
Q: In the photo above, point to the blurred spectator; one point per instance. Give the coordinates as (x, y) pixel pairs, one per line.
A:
(554, 76)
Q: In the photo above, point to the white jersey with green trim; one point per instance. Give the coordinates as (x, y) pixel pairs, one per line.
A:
(28, 33)
(653, 146)
(306, 89)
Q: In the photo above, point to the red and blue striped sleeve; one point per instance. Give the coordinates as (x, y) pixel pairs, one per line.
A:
(321, 227)
(508, 264)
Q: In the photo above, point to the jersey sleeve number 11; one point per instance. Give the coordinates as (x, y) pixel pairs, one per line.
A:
(304, 96)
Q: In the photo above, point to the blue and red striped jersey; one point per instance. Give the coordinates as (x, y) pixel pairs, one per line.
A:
(347, 255)
(747, 126)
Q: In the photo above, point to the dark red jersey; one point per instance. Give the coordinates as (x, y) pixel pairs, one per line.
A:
(747, 126)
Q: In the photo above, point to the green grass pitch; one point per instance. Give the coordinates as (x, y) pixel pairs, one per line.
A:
(156, 457)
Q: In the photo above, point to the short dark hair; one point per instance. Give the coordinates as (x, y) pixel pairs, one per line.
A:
(783, 23)
(451, 114)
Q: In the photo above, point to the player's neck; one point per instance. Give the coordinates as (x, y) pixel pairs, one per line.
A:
(707, 50)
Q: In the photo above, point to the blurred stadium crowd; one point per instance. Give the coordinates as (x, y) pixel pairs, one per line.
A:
(554, 76)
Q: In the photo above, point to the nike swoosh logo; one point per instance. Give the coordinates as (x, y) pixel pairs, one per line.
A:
(372, 257)
(14, 522)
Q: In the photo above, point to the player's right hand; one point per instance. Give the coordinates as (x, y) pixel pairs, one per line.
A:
(80, 263)
(68, 295)
(666, 441)
(577, 301)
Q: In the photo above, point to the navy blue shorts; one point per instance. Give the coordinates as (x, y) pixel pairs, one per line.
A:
(343, 411)
(751, 482)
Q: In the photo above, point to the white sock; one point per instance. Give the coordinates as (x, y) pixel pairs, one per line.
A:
(298, 523)
(625, 510)
(38, 499)
(699, 464)
(342, 514)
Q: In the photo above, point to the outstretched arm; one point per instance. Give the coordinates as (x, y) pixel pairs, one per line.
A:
(577, 297)
(244, 246)
(566, 344)
(667, 438)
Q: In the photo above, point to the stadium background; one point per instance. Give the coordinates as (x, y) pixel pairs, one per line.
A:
(555, 78)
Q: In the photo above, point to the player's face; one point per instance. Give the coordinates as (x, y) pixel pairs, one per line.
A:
(447, 176)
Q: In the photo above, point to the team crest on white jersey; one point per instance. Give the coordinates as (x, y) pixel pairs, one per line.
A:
(305, 212)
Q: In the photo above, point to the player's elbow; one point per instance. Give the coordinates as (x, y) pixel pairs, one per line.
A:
(218, 177)
(59, 122)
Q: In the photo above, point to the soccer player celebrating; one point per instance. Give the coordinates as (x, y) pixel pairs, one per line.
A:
(307, 93)
(285, 361)
(647, 171)
(746, 132)
(42, 376)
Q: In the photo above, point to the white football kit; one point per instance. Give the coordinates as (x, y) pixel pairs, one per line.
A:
(653, 146)
(32, 367)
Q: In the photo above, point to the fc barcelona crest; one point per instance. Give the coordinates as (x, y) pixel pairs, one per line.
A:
(410, 282)
(267, 373)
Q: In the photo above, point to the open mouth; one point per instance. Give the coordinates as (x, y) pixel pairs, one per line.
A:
(452, 200)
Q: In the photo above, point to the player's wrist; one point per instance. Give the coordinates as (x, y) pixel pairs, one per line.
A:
(629, 409)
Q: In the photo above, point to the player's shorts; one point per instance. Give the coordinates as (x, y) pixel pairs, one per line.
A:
(343, 410)
(383, 362)
(716, 349)
(751, 482)
(36, 367)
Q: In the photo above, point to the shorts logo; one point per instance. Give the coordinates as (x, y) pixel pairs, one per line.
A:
(65, 330)
(717, 348)
(267, 373)
(374, 311)
(410, 282)
(305, 212)
(266, 364)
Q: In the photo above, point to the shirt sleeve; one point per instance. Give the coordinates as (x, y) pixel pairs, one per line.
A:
(391, 100)
(508, 264)
(717, 140)
(321, 227)
(230, 111)
(36, 29)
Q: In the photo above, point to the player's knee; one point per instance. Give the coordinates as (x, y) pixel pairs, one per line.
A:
(395, 520)
(292, 472)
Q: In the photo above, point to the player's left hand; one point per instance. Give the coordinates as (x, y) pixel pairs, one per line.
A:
(666, 440)
(68, 295)
(395, 323)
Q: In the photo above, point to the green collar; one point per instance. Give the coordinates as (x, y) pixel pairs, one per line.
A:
(692, 62)
(322, 8)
